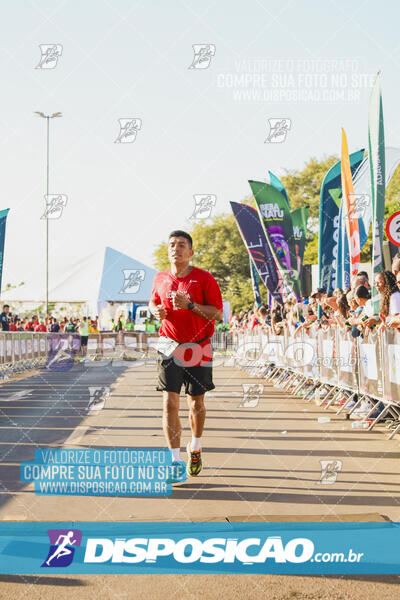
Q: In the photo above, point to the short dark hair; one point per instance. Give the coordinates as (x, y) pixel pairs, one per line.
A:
(180, 233)
(362, 292)
(363, 274)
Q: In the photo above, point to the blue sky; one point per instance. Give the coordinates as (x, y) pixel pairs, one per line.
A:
(203, 130)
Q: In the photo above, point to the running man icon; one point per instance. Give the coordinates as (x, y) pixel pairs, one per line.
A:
(61, 552)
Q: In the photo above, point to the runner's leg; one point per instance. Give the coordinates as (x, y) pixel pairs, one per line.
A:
(197, 417)
(197, 414)
(171, 422)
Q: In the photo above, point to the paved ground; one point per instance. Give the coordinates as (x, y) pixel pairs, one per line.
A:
(261, 463)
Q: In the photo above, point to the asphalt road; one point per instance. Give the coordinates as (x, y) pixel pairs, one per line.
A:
(261, 462)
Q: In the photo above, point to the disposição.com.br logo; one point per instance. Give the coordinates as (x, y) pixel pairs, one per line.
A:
(62, 547)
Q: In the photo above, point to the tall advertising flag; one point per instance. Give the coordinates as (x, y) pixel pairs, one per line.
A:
(277, 183)
(299, 222)
(362, 189)
(349, 209)
(255, 278)
(376, 144)
(253, 235)
(3, 219)
(329, 224)
(275, 217)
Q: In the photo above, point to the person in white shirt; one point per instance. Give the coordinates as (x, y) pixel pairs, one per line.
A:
(389, 308)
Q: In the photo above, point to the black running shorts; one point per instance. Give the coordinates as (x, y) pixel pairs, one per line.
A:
(84, 340)
(171, 376)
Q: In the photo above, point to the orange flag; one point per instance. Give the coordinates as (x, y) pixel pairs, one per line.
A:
(349, 209)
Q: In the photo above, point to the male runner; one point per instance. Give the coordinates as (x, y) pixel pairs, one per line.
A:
(187, 301)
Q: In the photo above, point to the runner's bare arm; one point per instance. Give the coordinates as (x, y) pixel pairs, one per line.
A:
(158, 311)
(207, 311)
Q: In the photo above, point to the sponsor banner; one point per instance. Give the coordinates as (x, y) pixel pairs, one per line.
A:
(254, 238)
(362, 189)
(326, 344)
(376, 144)
(349, 211)
(254, 283)
(370, 365)
(277, 183)
(391, 365)
(299, 220)
(277, 222)
(228, 547)
(3, 220)
(329, 225)
(347, 361)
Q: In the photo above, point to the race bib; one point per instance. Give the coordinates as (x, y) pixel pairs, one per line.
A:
(165, 345)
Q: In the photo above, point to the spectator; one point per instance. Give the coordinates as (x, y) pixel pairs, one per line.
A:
(40, 327)
(55, 326)
(386, 284)
(361, 297)
(11, 325)
(93, 327)
(29, 325)
(70, 326)
(396, 264)
(84, 333)
(129, 326)
(4, 319)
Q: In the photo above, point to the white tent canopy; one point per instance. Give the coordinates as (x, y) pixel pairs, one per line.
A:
(107, 275)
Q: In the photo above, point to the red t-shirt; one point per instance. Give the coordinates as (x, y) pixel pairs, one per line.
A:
(198, 286)
(40, 327)
(254, 322)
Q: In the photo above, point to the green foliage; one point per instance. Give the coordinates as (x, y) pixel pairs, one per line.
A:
(219, 248)
(304, 187)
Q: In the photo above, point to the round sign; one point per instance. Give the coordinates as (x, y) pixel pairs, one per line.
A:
(393, 228)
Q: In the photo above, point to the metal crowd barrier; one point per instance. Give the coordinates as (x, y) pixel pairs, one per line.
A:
(331, 365)
(22, 351)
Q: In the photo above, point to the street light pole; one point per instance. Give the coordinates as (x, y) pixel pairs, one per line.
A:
(47, 117)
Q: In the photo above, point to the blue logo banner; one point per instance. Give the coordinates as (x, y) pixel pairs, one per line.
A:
(243, 547)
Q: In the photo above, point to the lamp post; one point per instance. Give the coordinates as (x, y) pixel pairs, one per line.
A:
(47, 117)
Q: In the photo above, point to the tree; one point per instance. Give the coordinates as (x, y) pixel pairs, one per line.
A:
(304, 188)
(219, 247)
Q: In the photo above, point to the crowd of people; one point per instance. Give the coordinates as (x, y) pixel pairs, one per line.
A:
(351, 308)
(81, 325)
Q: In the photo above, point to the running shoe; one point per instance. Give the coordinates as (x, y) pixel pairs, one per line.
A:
(194, 463)
(177, 472)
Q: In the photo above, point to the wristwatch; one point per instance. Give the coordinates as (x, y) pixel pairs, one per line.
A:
(191, 305)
